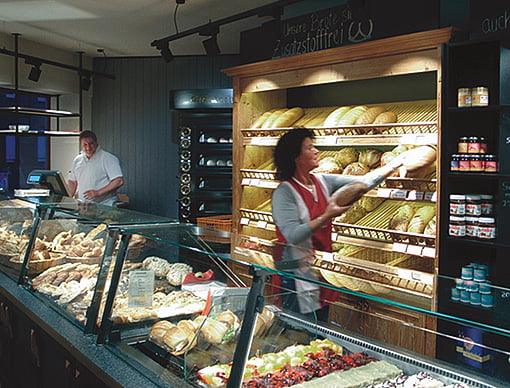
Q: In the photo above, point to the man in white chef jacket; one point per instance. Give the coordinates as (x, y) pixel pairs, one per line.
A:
(96, 174)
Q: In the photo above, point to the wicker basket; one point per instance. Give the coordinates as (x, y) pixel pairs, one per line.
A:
(216, 222)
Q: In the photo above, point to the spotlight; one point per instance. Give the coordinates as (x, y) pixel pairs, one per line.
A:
(211, 45)
(85, 82)
(35, 71)
(164, 48)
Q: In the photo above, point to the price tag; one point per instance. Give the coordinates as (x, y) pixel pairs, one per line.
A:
(398, 194)
(255, 182)
(141, 288)
(428, 196)
(434, 197)
(263, 141)
(408, 139)
(244, 221)
(383, 193)
(268, 184)
(416, 276)
(429, 252)
(415, 195)
(327, 256)
(334, 236)
(245, 182)
(399, 247)
(326, 140)
(415, 250)
(261, 224)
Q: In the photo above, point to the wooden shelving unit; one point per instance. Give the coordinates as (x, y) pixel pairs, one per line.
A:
(262, 86)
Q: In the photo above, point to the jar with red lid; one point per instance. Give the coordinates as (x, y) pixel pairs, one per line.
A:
(473, 145)
(483, 145)
(490, 163)
(464, 164)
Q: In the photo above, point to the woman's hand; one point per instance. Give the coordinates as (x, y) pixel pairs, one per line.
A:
(333, 210)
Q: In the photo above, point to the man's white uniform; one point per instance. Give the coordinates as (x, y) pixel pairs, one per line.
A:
(95, 173)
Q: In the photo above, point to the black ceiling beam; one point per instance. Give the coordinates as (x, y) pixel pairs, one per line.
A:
(43, 61)
(265, 10)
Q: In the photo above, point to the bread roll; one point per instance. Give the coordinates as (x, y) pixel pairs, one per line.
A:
(288, 118)
(384, 118)
(272, 118)
(356, 169)
(350, 117)
(332, 119)
(368, 117)
(350, 193)
(262, 118)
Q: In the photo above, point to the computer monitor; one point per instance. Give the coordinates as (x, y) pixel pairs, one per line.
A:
(49, 179)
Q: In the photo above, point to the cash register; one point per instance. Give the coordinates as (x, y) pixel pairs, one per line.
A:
(44, 183)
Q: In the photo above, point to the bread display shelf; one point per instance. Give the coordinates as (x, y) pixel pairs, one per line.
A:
(390, 236)
(374, 278)
(416, 133)
(257, 219)
(409, 189)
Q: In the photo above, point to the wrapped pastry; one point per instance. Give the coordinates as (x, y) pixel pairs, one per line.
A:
(356, 169)
(181, 338)
(348, 194)
(346, 156)
(229, 318)
(400, 221)
(177, 272)
(421, 218)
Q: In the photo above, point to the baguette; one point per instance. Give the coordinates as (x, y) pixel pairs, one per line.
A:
(262, 118)
(288, 118)
(271, 119)
(350, 193)
(332, 119)
(351, 116)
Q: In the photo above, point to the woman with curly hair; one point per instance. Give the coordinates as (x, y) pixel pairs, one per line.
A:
(303, 211)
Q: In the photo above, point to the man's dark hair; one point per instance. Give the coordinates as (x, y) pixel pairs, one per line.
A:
(287, 150)
(88, 135)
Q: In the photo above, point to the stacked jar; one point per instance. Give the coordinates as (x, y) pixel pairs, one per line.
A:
(472, 215)
(473, 287)
(472, 156)
(467, 97)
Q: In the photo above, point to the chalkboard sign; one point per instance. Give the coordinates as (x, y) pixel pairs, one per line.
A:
(349, 24)
(490, 19)
(201, 99)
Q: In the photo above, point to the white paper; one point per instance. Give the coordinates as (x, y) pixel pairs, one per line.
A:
(141, 288)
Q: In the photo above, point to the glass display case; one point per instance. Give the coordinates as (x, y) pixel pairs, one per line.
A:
(65, 252)
(293, 327)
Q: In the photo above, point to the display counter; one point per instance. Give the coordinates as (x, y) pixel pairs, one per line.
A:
(171, 309)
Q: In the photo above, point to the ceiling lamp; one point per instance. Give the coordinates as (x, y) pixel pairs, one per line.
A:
(211, 45)
(164, 49)
(35, 71)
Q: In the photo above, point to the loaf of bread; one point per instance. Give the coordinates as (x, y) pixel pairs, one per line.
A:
(421, 218)
(430, 229)
(400, 221)
(350, 193)
(333, 118)
(268, 123)
(418, 158)
(384, 118)
(258, 123)
(368, 118)
(288, 118)
(356, 168)
(352, 115)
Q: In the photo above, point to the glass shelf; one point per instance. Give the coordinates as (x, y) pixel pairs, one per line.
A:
(37, 112)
